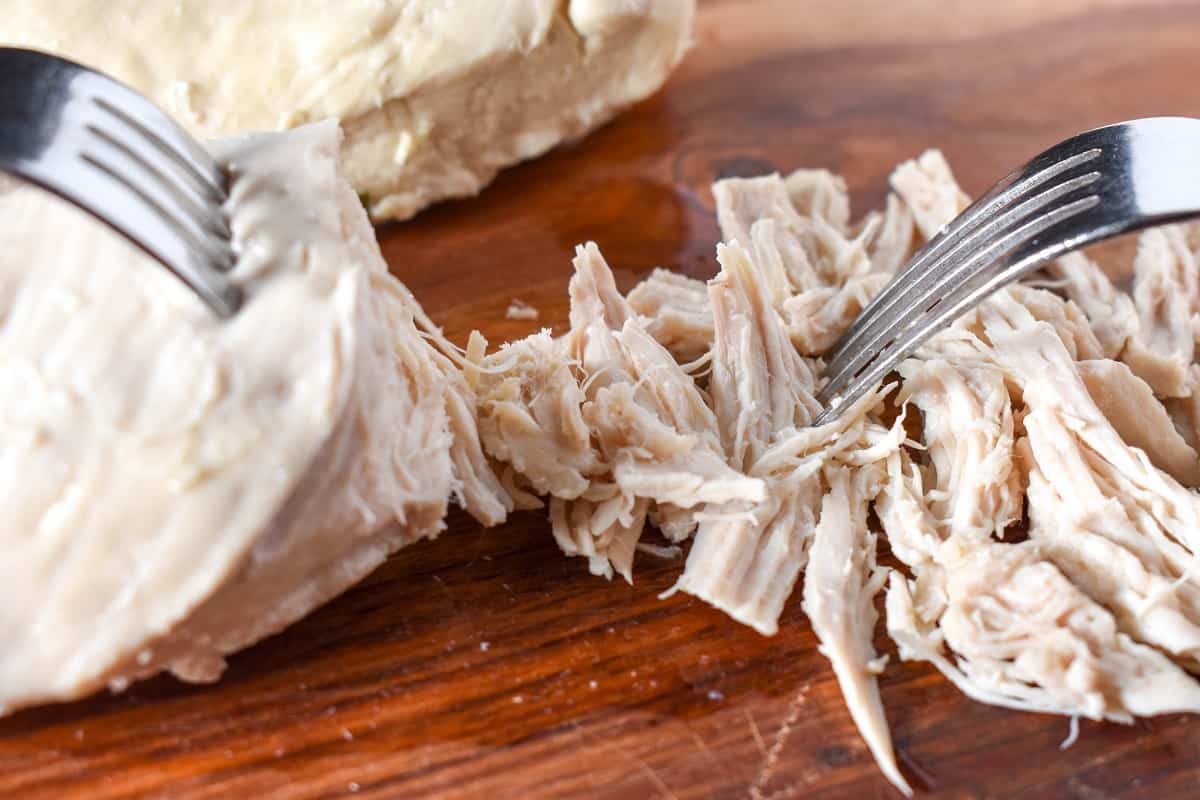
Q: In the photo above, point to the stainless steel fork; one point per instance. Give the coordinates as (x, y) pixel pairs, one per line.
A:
(107, 149)
(1093, 186)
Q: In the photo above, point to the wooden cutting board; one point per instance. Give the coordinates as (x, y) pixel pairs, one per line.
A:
(485, 664)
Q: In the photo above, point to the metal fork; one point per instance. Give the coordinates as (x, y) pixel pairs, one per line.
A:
(1093, 186)
(108, 150)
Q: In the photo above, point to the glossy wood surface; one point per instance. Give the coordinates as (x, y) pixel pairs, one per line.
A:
(485, 664)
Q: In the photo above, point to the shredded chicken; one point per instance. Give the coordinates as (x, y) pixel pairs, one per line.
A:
(928, 188)
(1062, 408)
(606, 422)
(839, 591)
(1165, 294)
(1111, 313)
(1025, 637)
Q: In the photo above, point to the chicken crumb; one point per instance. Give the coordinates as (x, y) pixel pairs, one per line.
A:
(519, 309)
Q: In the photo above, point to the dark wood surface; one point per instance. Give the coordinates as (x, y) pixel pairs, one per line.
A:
(485, 664)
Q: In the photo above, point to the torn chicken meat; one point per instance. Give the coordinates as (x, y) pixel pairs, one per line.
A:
(1069, 409)
(607, 423)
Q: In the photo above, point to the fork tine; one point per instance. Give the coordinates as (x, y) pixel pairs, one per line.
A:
(164, 133)
(109, 151)
(976, 285)
(1008, 192)
(127, 212)
(1142, 176)
(168, 162)
(959, 262)
(202, 191)
(154, 179)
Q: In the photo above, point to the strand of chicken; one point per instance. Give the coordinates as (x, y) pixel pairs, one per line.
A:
(1029, 467)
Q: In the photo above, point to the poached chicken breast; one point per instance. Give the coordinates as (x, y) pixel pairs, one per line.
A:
(435, 96)
(176, 486)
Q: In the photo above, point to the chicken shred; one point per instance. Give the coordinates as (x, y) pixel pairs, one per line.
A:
(1061, 405)
(1111, 313)
(607, 423)
(1166, 291)
(840, 585)
(927, 186)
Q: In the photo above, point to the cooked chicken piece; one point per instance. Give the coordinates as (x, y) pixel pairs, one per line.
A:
(1185, 411)
(1128, 403)
(914, 535)
(1111, 313)
(894, 238)
(818, 194)
(1067, 319)
(519, 309)
(531, 416)
(815, 250)
(1097, 614)
(1050, 382)
(651, 422)
(476, 486)
(1023, 636)
(177, 487)
(673, 522)
(840, 585)
(674, 310)
(658, 434)
(746, 558)
(816, 318)
(1120, 529)
(968, 436)
(766, 216)
(633, 429)
(1166, 292)
(928, 188)
(435, 96)
(742, 202)
(760, 386)
(605, 530)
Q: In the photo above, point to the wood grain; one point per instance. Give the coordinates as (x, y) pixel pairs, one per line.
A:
(485, 664)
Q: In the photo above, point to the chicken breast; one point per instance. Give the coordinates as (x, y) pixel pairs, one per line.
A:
(177, 487)
(435, 96)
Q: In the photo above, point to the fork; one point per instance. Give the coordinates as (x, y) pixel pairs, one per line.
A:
(108, 150)
(1093, 186)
